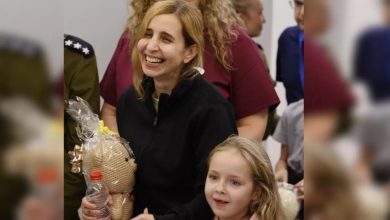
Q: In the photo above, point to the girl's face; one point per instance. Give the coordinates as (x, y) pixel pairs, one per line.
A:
(229, 185)
(162, 50)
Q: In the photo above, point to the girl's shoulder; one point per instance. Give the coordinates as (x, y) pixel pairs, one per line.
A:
(255, 217)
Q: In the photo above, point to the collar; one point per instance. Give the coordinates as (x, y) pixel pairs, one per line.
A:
(180, 90)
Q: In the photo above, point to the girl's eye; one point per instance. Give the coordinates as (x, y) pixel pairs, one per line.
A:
(213, 177)
(235, 183)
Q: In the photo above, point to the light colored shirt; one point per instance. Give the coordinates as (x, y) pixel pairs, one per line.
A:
(289, 131)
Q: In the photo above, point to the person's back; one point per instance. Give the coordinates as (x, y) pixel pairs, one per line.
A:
(372, 65)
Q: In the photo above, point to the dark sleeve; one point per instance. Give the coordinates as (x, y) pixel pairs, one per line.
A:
(82, 80)
(252, 88)
(85, 83)
(108, 84)
(359, 64)
(211, 126)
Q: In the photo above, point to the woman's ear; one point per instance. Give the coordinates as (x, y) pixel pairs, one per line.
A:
(190, 53)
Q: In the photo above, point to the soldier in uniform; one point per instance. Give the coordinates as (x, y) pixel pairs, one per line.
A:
(20, 59)
(80, 79)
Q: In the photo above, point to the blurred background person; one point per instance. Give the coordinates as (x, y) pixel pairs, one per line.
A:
(328, 97)
(372, 63)
(20, 57)
(372, 68)
(329, 193)
(290, 62)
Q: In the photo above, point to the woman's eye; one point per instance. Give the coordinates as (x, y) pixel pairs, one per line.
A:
(148, 35)
(166, 40)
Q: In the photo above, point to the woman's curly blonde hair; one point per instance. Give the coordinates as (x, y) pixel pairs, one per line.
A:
(220, 22)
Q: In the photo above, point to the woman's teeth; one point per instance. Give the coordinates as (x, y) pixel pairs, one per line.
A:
(153, 59)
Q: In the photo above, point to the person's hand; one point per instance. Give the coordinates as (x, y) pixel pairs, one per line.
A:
(35, 209)
(301, 189)
(281, 175)
(144, 216)
(89, 211)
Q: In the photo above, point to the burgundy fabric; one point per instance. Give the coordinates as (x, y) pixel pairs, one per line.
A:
(325, 88)
(248, 86)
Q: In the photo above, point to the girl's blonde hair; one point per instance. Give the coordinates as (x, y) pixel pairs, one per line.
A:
(220, 21)
(192, 30)
(267, 204)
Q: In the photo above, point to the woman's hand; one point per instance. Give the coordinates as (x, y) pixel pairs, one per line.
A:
(144, 216)
(89, 211)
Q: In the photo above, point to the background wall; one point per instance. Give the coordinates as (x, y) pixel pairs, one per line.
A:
(98, 22)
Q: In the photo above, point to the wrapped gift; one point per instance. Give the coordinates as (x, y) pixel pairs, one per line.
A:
(105, 151)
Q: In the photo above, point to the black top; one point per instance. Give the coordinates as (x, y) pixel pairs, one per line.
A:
(171, 147)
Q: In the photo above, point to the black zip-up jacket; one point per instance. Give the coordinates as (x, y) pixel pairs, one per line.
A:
(171, 146)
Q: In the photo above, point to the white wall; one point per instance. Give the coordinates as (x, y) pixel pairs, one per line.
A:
(98, 22)
(39, 21)
(349, 19)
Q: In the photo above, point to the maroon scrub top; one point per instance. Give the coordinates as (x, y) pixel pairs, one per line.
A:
(247, 86)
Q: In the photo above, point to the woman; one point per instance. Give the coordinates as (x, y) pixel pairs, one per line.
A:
(231, 61)
(171, 116)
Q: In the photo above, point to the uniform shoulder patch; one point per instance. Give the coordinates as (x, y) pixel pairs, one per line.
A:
(78, 45)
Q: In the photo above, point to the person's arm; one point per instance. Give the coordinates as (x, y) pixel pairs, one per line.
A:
(108, 115)
(281, 173)
(253, 126)
(252, 91)
(281, 135)
(362, 168)
(109, 84)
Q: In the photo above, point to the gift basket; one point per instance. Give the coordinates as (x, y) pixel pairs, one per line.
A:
(103, 150)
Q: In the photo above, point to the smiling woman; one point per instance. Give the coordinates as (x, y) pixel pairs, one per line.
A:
(171, 116)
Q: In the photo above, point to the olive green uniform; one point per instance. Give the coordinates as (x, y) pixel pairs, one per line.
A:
(23, 72)
(80, 79)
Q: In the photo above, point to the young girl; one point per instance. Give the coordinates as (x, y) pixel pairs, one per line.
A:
(240, 183)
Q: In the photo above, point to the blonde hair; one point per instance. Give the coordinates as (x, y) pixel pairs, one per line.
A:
(220, 21)
(331, 182)
(267, 204)
(192, 30)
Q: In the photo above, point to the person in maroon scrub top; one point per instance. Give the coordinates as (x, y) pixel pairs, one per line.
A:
(231, 62)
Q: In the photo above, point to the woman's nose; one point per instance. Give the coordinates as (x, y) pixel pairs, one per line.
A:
(152, 44)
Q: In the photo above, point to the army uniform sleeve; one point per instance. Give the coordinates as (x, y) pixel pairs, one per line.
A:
(80, 78)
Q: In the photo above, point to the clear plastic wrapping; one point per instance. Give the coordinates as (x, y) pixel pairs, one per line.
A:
(105, 151)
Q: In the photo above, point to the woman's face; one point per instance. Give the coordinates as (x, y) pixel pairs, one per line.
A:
(162, 49)
(254, 18)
